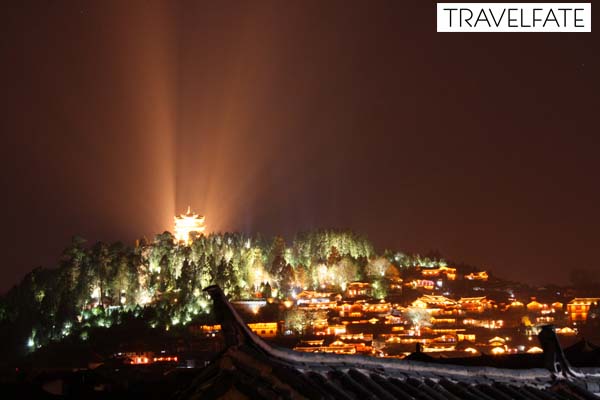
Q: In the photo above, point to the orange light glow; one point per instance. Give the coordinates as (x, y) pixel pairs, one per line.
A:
(186, 224)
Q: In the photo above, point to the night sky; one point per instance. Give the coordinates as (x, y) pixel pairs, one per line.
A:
(281, 116)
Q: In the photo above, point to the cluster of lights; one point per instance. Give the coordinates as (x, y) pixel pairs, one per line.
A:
(147, 360)
(66, 331)
(162, 359)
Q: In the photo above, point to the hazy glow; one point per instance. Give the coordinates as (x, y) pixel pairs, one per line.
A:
(498, 350)
(188, 223)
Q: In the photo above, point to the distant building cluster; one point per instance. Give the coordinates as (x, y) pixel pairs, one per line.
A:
(431, 312)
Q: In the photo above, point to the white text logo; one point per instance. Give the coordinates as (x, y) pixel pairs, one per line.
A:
(514, 17)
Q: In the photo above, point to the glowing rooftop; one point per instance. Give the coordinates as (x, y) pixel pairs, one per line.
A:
(187, 223)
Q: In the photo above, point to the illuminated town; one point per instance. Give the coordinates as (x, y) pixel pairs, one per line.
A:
(291, 200)
(327, 292)
(399, 308)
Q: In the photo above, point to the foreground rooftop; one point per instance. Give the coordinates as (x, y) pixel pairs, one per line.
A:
(249, 368)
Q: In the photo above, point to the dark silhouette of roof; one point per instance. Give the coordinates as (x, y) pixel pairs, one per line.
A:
(249, 368)
(584, 354)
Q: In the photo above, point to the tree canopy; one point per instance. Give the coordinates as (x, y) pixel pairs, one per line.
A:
(95, 285)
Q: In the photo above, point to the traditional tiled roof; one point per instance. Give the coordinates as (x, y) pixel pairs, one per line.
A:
(249, 368)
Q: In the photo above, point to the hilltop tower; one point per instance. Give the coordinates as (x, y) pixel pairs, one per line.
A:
(187, 223)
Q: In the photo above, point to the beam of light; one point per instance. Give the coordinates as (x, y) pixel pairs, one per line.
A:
(224, 149)
(142, 67)
(159, 97)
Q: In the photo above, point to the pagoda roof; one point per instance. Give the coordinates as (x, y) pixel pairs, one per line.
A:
(585, 300)
(189, 214)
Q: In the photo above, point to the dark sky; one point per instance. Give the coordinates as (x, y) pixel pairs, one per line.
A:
(279, 116)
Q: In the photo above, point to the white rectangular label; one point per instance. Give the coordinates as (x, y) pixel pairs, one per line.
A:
(514, 17)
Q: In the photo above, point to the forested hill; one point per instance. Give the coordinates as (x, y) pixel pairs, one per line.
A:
(95, 285)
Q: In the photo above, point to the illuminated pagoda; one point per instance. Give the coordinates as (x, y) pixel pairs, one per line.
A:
(188, 223)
